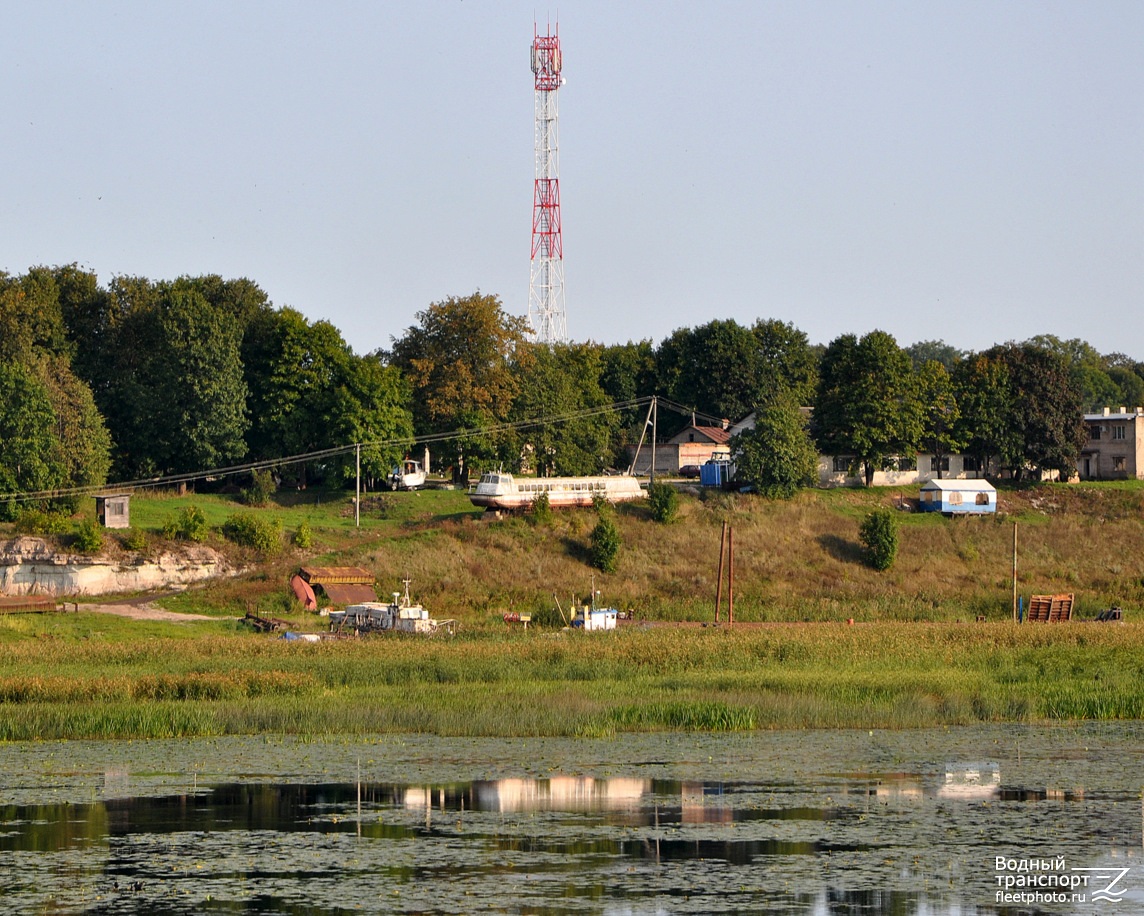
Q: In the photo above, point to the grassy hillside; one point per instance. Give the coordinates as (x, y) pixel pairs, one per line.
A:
(794, 561)
(95, 675)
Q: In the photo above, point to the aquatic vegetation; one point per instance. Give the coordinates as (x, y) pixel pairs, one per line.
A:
(521, 684)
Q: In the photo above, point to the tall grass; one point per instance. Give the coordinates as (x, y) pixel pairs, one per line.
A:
(636, 679)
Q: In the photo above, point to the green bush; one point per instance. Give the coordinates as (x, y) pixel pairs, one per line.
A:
(261, 488)
(541, 509)
(249, 530)
(663, 502)
(89, 537)
(879, 535)
(606, 545)
(40, 523)
(188, 524)
(304, 535)
(135, 539)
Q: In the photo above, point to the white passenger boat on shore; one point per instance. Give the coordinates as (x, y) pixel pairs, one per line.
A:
(498, 490)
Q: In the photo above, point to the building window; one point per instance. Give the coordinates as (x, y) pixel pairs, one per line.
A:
(969, 463)
(842, 464)
(1118, 432)
(936, 464)
(1119, 464)
(955, 498)
(1094, 432)
(983, 499)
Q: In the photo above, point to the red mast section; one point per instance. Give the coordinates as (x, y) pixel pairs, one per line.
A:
(546, 289)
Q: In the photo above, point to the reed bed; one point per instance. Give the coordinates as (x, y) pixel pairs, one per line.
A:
(881, 675)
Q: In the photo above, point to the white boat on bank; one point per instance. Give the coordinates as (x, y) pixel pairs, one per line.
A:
(409, 475)
(498, 490)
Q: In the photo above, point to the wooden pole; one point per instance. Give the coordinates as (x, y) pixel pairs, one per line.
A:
(719, 586)
(1014, 572)
(357, 490)
(654, 420)
(730, 575)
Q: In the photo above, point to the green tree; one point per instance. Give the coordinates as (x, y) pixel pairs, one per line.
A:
(777, 456)
(627, 372)
(81, 444)
(30, 318)
(922, 352)
(1088, 369)
(1046, 421)
(940, 412)
(663, 502)
(879, 536)
(373, 408)
(192, 396)
(712, 368)
(165, 371)
(787, 365)
(867, 401)
(459, 359)
(1129, 386)
(27, 450)
(558, 381)
(293, 370)
(606, 543)
(984, 397)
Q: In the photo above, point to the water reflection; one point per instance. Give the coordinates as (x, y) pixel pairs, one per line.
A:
(918, 837)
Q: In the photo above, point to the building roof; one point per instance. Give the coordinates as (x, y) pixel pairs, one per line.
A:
(715, 434)
(1120, 415)
(345, 575)
(963, 486)
(349, 594)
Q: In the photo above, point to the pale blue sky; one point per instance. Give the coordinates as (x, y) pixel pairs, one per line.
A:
(966, 171)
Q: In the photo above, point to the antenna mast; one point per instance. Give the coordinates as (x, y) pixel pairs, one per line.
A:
(546, 317)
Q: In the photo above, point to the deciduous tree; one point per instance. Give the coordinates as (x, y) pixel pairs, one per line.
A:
(778, 456)
(867, 401)
(458, 359)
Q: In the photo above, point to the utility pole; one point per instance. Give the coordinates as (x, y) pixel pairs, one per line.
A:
(1014, 572)
(357, 488)
(654, 419)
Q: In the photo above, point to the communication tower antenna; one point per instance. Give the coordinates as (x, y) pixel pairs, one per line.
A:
(546, 317)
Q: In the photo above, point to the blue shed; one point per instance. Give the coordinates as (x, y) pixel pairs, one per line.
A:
(715, 473)
(961, 497)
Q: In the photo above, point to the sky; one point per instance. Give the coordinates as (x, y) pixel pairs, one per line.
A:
(971, 172)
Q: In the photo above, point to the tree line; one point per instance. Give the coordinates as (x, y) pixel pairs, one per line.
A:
(144, 378)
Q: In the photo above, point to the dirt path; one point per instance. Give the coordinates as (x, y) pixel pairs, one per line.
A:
(141, 610)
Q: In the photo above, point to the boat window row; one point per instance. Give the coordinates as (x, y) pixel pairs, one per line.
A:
(587, 486)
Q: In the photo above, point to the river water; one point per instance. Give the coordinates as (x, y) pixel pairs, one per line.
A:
(924, 822)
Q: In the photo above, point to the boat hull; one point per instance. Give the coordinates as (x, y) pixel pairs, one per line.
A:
(505, 492)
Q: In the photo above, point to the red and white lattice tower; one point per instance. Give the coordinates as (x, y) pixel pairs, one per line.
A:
(546, 286)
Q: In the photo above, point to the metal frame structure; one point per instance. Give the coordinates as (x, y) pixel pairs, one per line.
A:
(546, 317)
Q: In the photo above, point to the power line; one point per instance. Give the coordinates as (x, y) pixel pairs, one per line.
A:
(189, 477)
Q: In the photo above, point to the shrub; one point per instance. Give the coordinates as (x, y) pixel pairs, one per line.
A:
(879, 535)
(541, 509)
(606, 545)
(261, 488)
(39, 522)
(601, 505)
(136, 539)
(304, 536)
(188, 524)
(249, 530)
(663, 502)
(89, 537)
